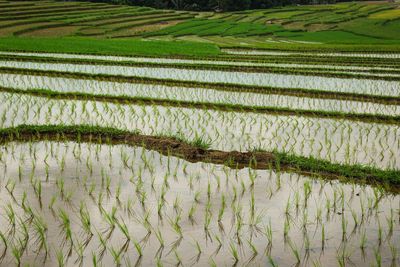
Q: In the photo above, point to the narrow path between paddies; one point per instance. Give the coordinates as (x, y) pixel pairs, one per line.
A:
(195, 151)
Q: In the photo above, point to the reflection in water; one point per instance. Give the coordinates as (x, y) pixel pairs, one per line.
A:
(114, 203)
(335, 140)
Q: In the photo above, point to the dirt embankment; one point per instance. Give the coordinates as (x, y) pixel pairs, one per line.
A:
(170, 146)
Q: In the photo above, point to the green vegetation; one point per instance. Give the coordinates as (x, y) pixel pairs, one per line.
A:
(332, 24)
(385, 119)
(312, 93)
(114, 47)
(279, 160)
(220, 27)
(316, 71)
(157, 137)
(346, 26)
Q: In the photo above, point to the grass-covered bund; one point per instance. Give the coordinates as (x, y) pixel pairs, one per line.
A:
(196, 150)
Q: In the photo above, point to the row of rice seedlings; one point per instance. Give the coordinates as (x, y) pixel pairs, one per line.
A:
(286, 53)
(161, 92)
(388, 100)
(230, 59)
(334, 140)
(238, 216)
(363, 86)
(375, 118)
(194, 61)
(317, 60)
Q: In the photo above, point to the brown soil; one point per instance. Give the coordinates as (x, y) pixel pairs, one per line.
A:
(319, 27)
(53, 32)
(147, 28)
(295, 25)
(92, 31)
(10, 30)
(125, 19)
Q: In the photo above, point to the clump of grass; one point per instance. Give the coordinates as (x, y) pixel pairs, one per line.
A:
(200, 143)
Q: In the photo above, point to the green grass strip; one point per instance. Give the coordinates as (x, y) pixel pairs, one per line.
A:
(389, 179)
(193, 50)
(108, 46)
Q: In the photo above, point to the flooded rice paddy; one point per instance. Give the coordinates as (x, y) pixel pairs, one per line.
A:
(117, 203)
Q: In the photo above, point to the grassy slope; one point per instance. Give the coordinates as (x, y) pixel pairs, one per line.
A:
(353, 27)
(347, 26)
(107, 46)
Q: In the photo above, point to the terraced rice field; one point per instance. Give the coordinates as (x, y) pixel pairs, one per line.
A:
(246, 158)
(47, 18)
(191, 144)
(355, 23)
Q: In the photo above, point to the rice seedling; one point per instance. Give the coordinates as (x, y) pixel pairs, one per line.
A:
(191, 213)
(116, 256)
(5, 244)
(272, 262)
(178, 258)
(160, 238)
(222, 208)
(234, 252)
(286, 228)
(390, 222)
(363, 241)
(85, 219)
(380, 233)
(94, 260)
(378, 258)
(253, 248)
(295, 252)
(175, 224)
(79, 248)
(138, 248)
(60, 258)
(198, 248)
(394, 252)
(66, 226)
(40, 228)
(124, 229)
(11, 217)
